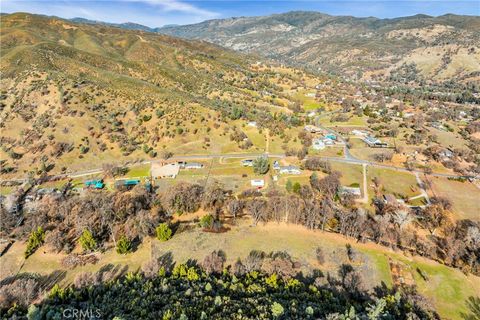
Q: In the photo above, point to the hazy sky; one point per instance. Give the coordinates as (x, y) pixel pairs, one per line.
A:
(155, 13)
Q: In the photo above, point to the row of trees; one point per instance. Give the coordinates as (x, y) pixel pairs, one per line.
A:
(125, 218)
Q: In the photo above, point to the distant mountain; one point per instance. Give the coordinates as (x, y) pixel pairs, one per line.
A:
(126, 25)
(417, 48)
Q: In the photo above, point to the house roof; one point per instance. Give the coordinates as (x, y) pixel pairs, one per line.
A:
(289, 167)
(257, 182)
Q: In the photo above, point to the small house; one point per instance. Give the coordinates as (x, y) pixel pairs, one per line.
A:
(247, 163)
(312, 129)
(355, 191)
(257, 183)
(252, 124)
(445, 154)
(193, 165)
(374, 142)
(276, 165)
(328, 142)
(359, 133)
(290, 170)
(318, 144)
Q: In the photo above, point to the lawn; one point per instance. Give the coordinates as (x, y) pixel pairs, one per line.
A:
(463, 195)
(139, 171)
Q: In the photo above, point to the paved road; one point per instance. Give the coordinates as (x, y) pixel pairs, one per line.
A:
(78, 174)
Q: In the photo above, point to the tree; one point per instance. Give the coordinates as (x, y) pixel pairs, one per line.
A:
(164, 232)
(261, 165)
(296, 187)
(87, 241)
(277, 310)
(257, 208)
(289, 185)
(35, 240)
(124, 245)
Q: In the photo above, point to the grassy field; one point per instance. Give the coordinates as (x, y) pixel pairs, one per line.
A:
(463, 195)
(401, 184)
(350, 173)
(446, 288)
(308, 103)
(336, 151)
(354, 121)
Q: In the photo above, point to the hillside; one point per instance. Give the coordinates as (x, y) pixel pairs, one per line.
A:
(402, 49)
(90, 94)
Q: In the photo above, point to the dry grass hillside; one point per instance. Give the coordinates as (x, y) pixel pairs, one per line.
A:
(77, 95)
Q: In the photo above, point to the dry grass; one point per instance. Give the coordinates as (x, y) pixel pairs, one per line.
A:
(463, 195)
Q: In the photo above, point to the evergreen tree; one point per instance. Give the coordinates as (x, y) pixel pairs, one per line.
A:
(87, 241)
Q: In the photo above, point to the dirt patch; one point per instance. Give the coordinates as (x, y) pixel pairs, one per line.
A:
(401, 274)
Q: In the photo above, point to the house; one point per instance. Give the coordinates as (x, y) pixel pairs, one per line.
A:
(247, 163)
(252, 124)
(312, 129)
(126, 183)
(160, 170)
(359, 133)
(310, 95)
(318, 144)
(193, 165)
(374, 142)
(311, 114)
(445, 154)
(351, 190)
(257, 183)
(276, 165)
(290, 170)
(389, 199)
(328, 142)
(95, 184)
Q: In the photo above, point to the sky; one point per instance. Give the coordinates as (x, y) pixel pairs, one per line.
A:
(156, 13)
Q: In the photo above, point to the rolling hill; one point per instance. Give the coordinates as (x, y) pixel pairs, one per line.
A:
(81, 94)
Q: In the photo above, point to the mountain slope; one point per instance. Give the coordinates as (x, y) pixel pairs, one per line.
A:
(438, 48)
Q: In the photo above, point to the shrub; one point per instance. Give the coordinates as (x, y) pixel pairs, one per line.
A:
(35, 240)
(164, 232)
(124, 245)
(87, 241)
(207, 221)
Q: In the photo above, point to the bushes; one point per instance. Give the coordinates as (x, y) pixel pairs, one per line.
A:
(35, 240)
(164, 232)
